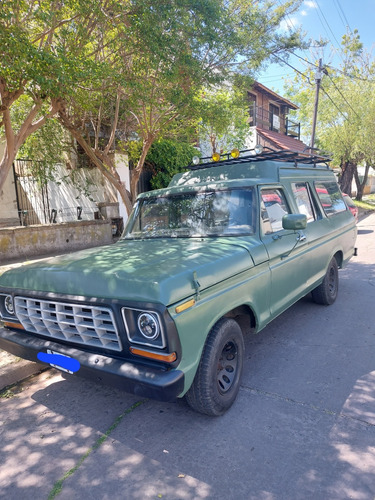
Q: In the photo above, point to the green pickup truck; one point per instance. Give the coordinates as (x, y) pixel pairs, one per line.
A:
(162, 313)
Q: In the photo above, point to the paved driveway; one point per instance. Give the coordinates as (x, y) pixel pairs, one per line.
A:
(303, 426)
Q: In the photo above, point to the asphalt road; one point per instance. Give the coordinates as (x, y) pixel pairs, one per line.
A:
(303, 426)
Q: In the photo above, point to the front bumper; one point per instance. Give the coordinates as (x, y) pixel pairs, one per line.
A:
(140, 380)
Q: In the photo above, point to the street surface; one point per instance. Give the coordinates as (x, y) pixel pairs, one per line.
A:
(303, 426)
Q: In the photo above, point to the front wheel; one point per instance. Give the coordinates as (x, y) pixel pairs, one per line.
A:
(218, 377)
(327, 291)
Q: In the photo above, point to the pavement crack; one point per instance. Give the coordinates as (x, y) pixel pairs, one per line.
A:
(285, 399)
(58, 486)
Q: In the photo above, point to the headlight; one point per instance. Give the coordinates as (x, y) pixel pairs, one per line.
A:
(9, 305)
(148, 326)
(144, 327)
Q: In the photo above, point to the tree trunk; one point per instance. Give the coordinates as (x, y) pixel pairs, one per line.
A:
(5, 166)
(102, 161)
(361, 185)
(15, 141)
(346, 178)
(136, 173)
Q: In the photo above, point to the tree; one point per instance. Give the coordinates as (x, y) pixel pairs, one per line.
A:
(94, 64)
(346, 123)
(192, 52)
(224, 119)
(43, 59)
(166, 158)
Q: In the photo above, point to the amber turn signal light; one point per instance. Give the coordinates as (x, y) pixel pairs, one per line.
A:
(167, 358)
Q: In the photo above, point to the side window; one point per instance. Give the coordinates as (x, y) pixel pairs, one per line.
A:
(330, 197)
(303, 200)
(273, 208)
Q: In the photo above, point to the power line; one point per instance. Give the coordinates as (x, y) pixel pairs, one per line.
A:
(342, 95)
(333, 102)
(321, 87)
(293, 68)
(353, 77)
(327, 23)
(343, 13)
(321, 16)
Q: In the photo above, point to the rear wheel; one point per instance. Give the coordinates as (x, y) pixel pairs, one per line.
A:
(218, 377)
(327, 291)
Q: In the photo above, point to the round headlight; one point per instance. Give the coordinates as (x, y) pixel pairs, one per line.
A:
(8, 304)
(196, 160)
(148, 326)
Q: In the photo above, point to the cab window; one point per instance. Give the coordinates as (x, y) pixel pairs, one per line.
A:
(302, 196)
(273, 208)
(330, 197)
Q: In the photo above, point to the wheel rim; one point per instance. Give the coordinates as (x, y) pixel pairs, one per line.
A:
(227, 367)
(332, 282)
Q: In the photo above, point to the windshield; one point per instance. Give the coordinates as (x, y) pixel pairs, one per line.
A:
(210, 213)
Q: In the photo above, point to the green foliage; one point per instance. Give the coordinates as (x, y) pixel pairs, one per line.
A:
(111, 62)
(133, 149)
(224, 119)
(47, 147)
(166, 158)
(346, 109)
(41, 46)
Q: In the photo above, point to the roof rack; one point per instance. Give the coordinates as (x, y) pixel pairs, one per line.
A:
(253, 155)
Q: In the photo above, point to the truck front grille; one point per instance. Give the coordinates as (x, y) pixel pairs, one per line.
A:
(75, 323)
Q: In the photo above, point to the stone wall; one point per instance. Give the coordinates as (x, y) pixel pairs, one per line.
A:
(25, 242)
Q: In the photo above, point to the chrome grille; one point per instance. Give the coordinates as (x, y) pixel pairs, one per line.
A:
(76, 323)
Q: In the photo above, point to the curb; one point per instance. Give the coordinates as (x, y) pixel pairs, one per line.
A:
(19, 370)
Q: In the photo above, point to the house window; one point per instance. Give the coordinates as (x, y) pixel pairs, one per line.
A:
(252, 108)
(274, 118)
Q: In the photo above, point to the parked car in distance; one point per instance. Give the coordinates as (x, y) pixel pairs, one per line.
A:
(350, 204)
(217, 255)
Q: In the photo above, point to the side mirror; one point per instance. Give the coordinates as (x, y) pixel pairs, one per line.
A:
(294, 222)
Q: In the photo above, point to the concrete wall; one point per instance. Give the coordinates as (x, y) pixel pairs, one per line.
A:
(25, 242)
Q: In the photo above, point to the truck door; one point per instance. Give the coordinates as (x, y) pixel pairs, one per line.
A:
(286, 251)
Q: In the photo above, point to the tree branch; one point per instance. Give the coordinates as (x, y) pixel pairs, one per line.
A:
(54, 28)
(114, 125)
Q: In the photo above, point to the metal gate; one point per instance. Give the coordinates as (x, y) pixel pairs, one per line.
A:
(32, 196)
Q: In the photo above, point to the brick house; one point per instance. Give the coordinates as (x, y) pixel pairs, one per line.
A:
(269, 121)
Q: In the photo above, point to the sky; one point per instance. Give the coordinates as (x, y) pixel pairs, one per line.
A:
(330, 20)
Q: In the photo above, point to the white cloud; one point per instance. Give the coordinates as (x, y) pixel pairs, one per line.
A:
(290, 23)
(310, 4)
(303, 13)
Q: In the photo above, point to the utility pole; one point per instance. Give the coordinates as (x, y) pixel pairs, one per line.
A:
(318, 79)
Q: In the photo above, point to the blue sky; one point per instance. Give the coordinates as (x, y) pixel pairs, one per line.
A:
(330, 20)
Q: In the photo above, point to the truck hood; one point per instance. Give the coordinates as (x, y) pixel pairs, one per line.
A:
(160, 271)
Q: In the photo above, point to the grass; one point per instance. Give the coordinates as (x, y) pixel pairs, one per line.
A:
(7, 394)
(367, 203)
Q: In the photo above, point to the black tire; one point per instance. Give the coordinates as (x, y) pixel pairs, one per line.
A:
(218, 377)
(326, 292)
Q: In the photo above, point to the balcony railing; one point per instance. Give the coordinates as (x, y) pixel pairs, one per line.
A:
(267, 120)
